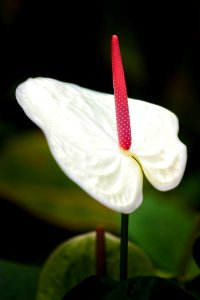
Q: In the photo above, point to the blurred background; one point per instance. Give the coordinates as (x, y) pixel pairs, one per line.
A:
(70, 41)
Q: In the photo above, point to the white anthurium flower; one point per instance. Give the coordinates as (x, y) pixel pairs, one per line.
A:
(80, 127)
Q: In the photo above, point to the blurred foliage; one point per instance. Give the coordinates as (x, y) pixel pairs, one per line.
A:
(70, 41)
(165, 231)
(75, 260)
(163, 226)
(17, 281)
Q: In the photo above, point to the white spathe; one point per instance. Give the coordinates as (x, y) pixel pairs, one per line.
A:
(80, 127)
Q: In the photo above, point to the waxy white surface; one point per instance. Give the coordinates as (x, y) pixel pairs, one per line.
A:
(80, 127)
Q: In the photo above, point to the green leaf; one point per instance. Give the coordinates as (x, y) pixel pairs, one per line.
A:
(18, 282)
(74, 260)
(163, 229)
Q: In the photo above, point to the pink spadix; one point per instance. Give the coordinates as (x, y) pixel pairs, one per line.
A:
(121, 99)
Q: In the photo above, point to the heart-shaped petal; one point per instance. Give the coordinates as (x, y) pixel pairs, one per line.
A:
(79, 125)
(156, 145)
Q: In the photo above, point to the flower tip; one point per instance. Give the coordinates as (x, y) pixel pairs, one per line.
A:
(114, 37)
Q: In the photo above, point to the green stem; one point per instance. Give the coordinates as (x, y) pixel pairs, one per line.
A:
(124, 247)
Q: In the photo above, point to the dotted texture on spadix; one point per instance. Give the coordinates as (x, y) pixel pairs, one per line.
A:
(121, 99)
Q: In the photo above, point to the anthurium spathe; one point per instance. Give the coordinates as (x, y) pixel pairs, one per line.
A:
(80, 127)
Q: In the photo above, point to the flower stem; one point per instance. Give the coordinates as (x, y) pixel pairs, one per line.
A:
(100, 251)
(124, 247)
